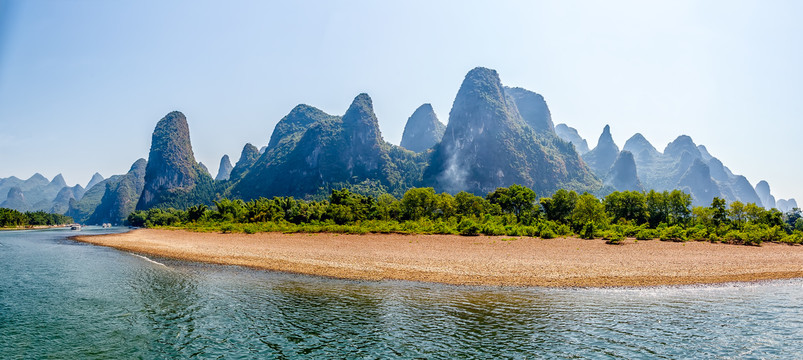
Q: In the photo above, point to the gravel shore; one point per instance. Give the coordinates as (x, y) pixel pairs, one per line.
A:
(479, 260)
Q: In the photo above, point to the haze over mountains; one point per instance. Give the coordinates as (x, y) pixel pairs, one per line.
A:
(496, 136)
(682, 165)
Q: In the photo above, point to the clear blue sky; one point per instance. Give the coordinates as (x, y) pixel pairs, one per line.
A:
(83, 83)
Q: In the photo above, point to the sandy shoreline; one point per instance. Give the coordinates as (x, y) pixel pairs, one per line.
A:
(480, 260)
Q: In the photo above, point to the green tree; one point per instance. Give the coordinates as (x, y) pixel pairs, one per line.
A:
(657, 207)
(516, 200)
(588, 210)
(679, 207)
(627, 205)
(418, 203)
(560, 206)
(195, 213)
(719, 212)
(445, 206)
(387, 207)
(468, 204)
(737, 214)
(361, 207)
(752, 213)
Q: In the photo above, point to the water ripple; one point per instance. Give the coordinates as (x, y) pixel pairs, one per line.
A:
(66, 301)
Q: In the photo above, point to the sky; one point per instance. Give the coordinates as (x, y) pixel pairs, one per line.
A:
(83, 83)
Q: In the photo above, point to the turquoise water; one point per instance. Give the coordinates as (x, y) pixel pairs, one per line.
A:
(63, 299)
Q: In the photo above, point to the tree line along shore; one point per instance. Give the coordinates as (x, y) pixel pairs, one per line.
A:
(10, 218)
(511, 211)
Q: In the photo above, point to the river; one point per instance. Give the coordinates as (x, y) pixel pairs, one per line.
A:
(69, 300)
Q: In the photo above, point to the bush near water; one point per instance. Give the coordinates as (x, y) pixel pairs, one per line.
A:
(511, 211)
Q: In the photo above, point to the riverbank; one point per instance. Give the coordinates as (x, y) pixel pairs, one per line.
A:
(31, 227)
(480, 260)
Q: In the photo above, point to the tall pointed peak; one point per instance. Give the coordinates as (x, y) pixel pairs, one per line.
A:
(481, 104)
(423, 129)
(638, 143)
(96, 178)
(171, 162)
(224, 169)
(58, 180)
(361, 123)
(623, 175)
(362, 108)
(479, 86)
(249, 152)
(606, 139)
(602, 157)
(248, 157)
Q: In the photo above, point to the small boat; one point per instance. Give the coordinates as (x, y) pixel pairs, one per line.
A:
(76, 227)
(107, 225)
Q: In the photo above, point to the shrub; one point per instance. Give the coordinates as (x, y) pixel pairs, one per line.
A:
(491, 228)
(442, 227)
(563, 230)
(673, 233)
(734, 236)
(699, 233)
(530, 231)
(227, 228)
(631, 230)
(547, 234)
(612, 237)
(468, 227)
(588, 231)
(794, 238)
(646, 234)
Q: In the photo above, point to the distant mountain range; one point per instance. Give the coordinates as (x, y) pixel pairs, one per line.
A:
(682, 165)
(496, 136)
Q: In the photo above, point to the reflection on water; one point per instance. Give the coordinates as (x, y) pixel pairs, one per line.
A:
(63, 299)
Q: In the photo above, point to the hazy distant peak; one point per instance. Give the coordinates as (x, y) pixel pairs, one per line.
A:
(37, 177)
(571, 135)
(638, 143)
(606, 140)
(224, 169)
(423, 129)
(623, 175)
(764, 193)
(602, 157)
(96, 178)
(58, 180)
(680, 145)
(704, 152)
(533, 109)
